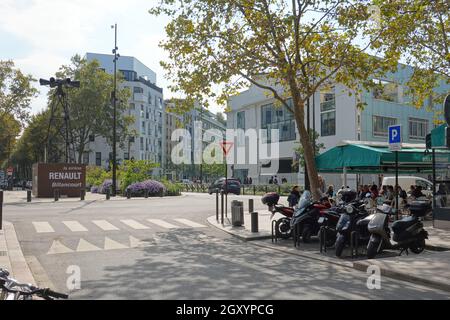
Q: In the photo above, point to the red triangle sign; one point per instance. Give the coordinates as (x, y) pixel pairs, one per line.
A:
(226, 146)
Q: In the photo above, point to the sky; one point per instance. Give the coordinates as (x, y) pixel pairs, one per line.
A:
(41, 35)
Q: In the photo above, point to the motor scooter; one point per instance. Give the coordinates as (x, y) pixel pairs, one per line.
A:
(408, 233)
(283, 223)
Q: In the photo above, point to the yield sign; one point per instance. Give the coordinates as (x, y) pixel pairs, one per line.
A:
(226, 146)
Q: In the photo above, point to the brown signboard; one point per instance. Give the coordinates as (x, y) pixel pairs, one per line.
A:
(68, 178)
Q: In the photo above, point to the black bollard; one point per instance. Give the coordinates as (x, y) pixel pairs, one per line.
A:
(1, 210)
(28, 195)
(56, 194)
(82, 194)
(128, 194)
(221, 205)
(108, 194)
(217, 206)
(146, 194)
(250, 205)
(254, 218)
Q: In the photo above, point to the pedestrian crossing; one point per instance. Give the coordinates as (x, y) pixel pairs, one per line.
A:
(117, 225)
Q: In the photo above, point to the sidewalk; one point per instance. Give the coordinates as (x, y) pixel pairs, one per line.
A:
(20, 197)
(11, 256)
(431, 268)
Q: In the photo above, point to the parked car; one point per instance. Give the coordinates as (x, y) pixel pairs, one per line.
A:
(233, 186)
(405, 182)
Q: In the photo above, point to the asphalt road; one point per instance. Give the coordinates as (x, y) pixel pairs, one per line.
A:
(140, 249)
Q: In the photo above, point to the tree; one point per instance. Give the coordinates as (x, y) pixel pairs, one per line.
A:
(221, 118)
(9, 130)
(300, 162)
(290, 49)
(16, 92)
(90, 109)
(419, 31)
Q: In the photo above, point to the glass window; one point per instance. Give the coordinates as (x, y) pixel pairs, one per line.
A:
(241, 120)
(418, 128)
(138, 90)
(386, 90)
(142, 143)
(381, 125)
(98, 158)
(328, 113)
(278, 118)
(129, 75)
(86, 158)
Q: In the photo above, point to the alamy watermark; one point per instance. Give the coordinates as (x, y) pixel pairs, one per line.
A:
(374, 279)
(74, 279)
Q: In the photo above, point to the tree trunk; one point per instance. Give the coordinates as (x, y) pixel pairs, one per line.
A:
(308, 151)
(80, 153)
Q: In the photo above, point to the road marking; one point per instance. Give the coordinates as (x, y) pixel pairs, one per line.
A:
(113, 245)
(84, 246)
(162, 223)
(43, 227)
(136, 243)
(57, 247)
(134, 224)
(105, 225)
(75, 226)
(190, 223)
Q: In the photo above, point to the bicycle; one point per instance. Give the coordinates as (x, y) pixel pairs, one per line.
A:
(11, 289)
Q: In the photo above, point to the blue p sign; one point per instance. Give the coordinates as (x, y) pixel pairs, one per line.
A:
(395, 135)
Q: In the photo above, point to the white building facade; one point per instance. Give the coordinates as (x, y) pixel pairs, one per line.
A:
(145, 105)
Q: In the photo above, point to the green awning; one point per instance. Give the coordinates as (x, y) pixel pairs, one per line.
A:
(438, 137)
(360, 158)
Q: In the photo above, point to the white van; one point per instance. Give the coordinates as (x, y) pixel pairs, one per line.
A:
(405, 182)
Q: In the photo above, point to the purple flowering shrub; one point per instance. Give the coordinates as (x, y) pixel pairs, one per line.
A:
(153, 187)
(94, 189)
(107, 184)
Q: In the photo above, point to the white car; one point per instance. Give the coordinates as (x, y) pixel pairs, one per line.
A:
(405, 182)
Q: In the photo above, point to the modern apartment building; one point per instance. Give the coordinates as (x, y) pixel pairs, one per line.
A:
(336, 117)
(145, 105)
(190, 121)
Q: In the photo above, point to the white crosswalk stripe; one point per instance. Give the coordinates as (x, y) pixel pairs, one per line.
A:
(105, 225)
(75, 226)
(113, 245)
(84, 246)
(43, 227)
(190, 223)
(162, 223)
(134, 224)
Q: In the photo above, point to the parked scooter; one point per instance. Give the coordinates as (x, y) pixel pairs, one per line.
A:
(283, 224)
(408, 232)
(355, 218)
(305, 219)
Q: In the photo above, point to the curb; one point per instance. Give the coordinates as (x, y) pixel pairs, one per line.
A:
(243, 238)
(19, 266)
(362, 266)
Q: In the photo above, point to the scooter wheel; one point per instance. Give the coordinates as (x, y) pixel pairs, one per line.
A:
(340, 245)
(372, 249)
(283, 229)
(418, 246)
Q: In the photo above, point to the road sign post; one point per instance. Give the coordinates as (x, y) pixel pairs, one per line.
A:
(226, 147)
(395, 144)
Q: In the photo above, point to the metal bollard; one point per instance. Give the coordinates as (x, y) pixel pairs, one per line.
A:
(221, 205)
(128, 194)
(254, 220)
(146, 194)
(108, 194)
(82, 194)
(217, 206)
(254, 190)
(250, 205)
(28, 195)
(56, 194)
(1, 210)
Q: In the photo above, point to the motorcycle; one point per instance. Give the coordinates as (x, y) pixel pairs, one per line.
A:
(305, 219)
(355, 218)
(409, 233)
(283, 224)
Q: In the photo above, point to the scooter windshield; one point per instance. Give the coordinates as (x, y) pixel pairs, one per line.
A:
(305, 200)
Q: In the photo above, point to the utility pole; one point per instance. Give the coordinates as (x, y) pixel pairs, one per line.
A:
(114, 101)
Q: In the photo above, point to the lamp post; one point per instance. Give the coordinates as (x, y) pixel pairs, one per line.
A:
(114, 101)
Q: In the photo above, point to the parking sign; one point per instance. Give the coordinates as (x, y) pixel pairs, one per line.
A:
(395, 137)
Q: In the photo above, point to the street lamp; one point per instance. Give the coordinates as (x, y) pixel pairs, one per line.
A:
(114, 101)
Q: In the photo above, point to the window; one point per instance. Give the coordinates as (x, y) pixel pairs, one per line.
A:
(328, 113)
(142, 143)
(386, 90)
(418, 128)
(381, 125)
(143, 127)
(86, 158)
(98, 158)
(91, 138)
(285, 166)
(129, 75)
(278, 118)
(241, 120)
(138, 90)
(126, 156)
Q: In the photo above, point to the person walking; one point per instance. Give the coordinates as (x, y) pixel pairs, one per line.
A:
(294, 196)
